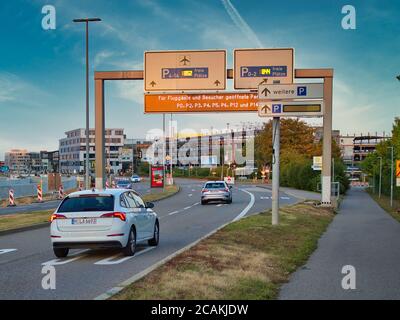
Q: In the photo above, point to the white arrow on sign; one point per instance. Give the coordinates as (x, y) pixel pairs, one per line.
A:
(291, 91)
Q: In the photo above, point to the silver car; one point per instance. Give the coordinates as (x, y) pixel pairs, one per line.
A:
(216, 191)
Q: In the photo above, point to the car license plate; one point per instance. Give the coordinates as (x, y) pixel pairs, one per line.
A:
(84, 221)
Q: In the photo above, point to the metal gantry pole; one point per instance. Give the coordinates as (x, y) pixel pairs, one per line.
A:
(87, 174)
(275, 169)
(171, 144)
(164, 153)
(327, 143)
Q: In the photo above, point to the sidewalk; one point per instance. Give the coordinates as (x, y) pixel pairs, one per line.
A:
(362, 235)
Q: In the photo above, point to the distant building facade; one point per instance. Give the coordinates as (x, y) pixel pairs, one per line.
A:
(22, 161)
(355, 148)
(18, 160)
(133, 152)
(72, 150)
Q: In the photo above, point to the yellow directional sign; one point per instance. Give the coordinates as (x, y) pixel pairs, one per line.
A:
(184, 70)
(260, 66)
(398, 168)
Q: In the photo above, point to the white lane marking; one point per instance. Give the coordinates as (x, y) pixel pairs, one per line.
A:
(186, 208)
(190, 194)
(193, 190)
(58, 262)
(110, 260)
(264, 198)
(285, 198)
(219, 205)
(249, 206)
(3, 251)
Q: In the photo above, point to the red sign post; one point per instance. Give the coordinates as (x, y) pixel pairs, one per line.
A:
(157, 177)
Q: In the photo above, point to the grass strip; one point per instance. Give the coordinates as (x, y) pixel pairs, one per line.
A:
(248, 259)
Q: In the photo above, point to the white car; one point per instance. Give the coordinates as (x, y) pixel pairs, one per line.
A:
(135, 178)
(111, 218)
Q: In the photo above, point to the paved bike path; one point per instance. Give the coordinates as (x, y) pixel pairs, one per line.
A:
(362, 235)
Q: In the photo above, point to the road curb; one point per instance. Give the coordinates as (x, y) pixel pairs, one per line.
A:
(171, 195)
(113, 291)
(108, 294)
(27, 228)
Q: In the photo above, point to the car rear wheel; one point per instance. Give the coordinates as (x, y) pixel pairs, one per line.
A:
(61, 252)
(130, 248)
(156, 236)
(229, 201)
(203, 202)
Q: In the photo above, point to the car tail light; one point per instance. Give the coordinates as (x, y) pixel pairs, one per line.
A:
(204, 190)
(55, 216)
(119, 215)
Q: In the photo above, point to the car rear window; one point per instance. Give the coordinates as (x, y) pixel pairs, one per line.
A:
(215, 185)
(88, 203)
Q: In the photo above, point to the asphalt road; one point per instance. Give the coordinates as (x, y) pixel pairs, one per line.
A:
(88, 274)
(141, 187)
(364, 236)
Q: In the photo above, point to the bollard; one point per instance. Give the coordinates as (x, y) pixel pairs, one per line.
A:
(61, 192)
(39, 193)
(11, 200)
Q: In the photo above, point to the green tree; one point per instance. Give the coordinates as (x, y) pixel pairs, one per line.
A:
(297, 150)
(371, 164)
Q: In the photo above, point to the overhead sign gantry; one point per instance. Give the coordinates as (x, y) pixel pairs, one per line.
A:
(253, 68)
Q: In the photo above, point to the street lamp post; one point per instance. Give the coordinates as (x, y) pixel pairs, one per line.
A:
(86, 21)
(391, 176)
(380, 176)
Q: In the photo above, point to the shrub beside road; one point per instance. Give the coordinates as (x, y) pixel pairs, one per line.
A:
(248, 259)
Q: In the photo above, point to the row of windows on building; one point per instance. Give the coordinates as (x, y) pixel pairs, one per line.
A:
(92, 149)
(78, 133)
(91, 140)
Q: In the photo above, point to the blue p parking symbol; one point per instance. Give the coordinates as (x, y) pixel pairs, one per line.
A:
(276, 108)
(301, 91)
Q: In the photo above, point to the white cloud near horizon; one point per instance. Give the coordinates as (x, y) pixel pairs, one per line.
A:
(241, 23)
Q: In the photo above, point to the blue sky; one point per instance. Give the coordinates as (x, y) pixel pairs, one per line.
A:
(42, 72)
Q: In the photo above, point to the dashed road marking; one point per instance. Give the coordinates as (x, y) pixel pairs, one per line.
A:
(264, 198)
(172, 213)
(285, 198)
(3, 251)
(110, 260)
(190, 194)
(58, 262)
